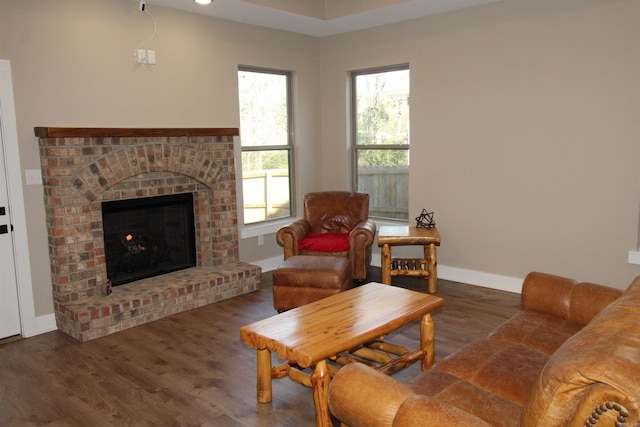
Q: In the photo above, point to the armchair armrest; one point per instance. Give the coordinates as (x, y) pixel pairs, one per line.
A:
(362, 234)
(360, 243)
(289, 236)
(589, 299)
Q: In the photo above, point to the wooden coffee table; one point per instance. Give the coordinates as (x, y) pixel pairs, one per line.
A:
(425, 267)
(336, 330)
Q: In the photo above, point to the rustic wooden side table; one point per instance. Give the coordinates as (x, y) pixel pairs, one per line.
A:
(421, 267)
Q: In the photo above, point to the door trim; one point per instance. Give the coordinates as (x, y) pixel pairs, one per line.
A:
(16, 199)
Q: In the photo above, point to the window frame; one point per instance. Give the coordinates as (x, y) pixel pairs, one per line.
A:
(269, 225)
(354, 128)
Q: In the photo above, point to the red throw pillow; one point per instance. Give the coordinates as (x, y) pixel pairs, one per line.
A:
(325, 242)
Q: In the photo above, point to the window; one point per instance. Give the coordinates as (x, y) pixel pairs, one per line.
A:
(380, 139)
(267, 146)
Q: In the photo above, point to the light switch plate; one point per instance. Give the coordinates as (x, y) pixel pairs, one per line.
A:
(34, 176)
(141, 56)
(151, 57)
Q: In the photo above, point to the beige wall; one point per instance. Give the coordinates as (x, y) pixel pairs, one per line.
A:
(72, 65)
(525, 139)
(524, 131)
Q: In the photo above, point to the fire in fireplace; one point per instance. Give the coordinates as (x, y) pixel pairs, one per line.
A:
(148, 236)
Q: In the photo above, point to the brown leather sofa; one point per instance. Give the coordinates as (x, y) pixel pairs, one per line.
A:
(569, 357)
(333, 213)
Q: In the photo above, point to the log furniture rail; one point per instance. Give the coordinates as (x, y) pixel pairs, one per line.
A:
(425, 267)
(337, 330)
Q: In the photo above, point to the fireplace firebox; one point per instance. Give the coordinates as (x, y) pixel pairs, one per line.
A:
(148, 237)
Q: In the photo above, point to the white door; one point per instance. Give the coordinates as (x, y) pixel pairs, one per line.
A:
(9, 312)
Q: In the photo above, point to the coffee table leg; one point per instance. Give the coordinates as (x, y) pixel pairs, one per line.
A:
(320, 383)
(386, 264)
(432, 268)
(427, 341)
(264, 376)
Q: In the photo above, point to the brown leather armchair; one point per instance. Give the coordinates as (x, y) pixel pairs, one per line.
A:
(335, 223)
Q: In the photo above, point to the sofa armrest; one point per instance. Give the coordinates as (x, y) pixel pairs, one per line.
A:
(613, 407)
(360, 396)
(289, 236)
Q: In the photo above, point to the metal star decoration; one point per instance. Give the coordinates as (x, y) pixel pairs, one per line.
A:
(425, 220)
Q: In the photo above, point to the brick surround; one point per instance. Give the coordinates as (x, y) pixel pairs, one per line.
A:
(82, 167)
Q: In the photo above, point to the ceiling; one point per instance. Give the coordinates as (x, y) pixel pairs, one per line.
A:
(319, 17)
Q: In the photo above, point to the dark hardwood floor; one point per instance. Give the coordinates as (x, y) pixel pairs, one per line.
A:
(192, 369)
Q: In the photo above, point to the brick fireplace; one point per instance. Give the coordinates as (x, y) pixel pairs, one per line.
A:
(83, 167)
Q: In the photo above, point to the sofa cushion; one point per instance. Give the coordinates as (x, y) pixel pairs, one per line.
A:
(539, 331)
(505, 369)
(465, 396)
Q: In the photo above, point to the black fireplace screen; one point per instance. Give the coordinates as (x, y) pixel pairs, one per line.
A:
(147, 237)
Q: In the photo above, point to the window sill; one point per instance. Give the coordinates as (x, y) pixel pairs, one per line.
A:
(384, 221)
(272, 227)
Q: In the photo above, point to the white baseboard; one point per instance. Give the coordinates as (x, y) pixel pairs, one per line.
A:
(479, 278)
(44, 324)
(634, 257)
(268, 264)
(470, 277)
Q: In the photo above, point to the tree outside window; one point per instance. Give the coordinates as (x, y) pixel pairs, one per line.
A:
(265, 134)
(380, 119)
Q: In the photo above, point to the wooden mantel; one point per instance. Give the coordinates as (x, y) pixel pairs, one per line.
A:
(60, 132)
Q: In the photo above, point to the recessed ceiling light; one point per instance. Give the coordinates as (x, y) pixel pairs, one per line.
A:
(203, 1)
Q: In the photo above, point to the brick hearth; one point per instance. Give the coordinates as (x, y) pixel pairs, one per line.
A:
(83, 167)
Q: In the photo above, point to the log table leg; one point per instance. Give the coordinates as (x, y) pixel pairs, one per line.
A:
(264, 376)
(320, 382)
(427, 341)
(432, 268)
(386, 264)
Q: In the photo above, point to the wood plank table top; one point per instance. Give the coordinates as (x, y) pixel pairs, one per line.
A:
(324, 328)
(399, 235)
